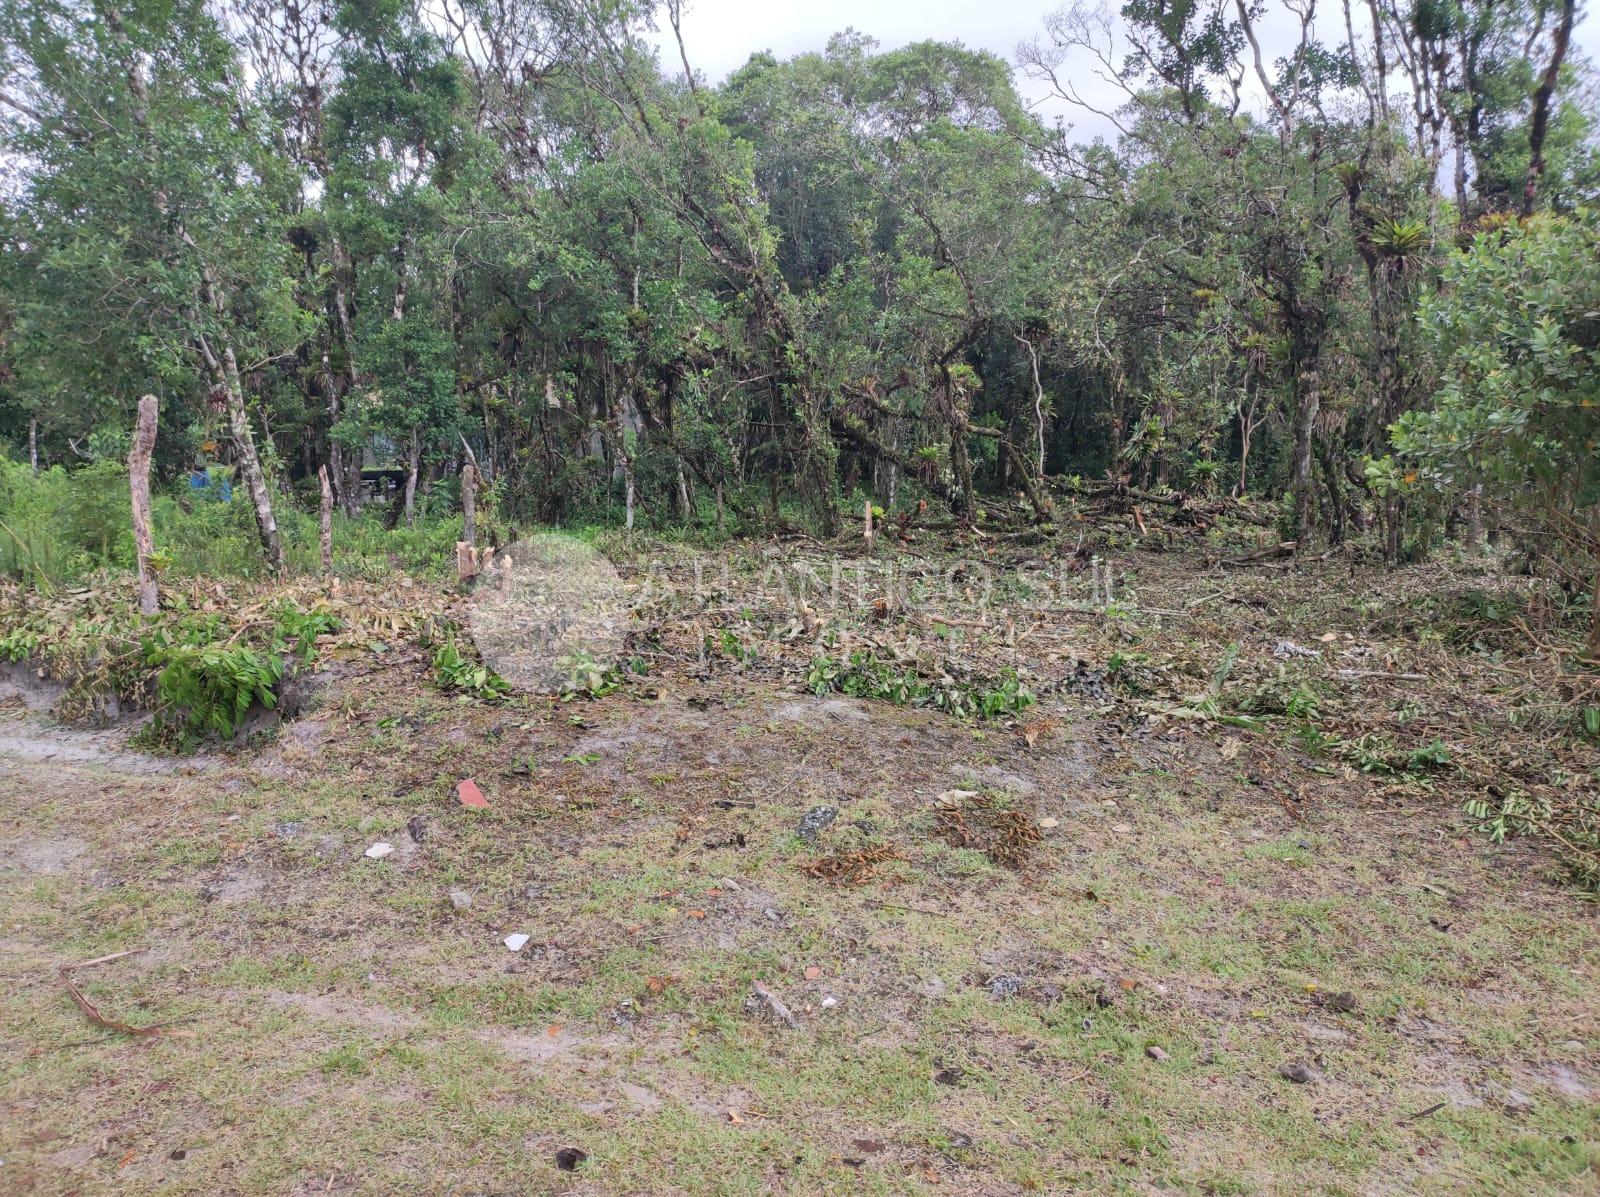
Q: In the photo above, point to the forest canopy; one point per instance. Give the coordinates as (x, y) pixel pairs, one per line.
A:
(1359, 277)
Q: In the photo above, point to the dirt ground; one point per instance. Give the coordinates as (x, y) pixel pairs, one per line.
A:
(1226, 965)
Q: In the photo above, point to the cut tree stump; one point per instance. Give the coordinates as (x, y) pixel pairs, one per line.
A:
(471, 561)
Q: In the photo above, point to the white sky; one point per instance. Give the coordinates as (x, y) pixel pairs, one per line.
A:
(722, 34)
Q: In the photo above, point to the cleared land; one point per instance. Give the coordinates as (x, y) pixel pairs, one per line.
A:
(1208, 958)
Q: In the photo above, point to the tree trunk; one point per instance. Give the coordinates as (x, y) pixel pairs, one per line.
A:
(336, 470)
(326, 521)
(1542, 98)
(469, 504)
(1305, 423)
(225, 377)
(350, 492)
(960, 459)
(144, 444)
(33, 445)
(413, 462)
(1244, 455)
(1592, 648)
(1330, 482)
(619, 432)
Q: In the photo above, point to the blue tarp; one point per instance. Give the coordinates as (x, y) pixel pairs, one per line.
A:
(217, 487)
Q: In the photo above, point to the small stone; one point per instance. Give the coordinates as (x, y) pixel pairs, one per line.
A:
(814, 821)
(829, 1002)
(460, 899)
(568, 1158)
(379, 850)
(1049, 824)
(1298, 1073)
(1122, 828)
(1157, 1054)
(517, 941)
(1004, 985)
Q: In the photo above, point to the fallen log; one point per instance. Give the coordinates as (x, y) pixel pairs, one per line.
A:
(1284, 548)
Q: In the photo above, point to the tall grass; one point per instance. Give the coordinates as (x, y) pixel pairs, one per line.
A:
(59, 525)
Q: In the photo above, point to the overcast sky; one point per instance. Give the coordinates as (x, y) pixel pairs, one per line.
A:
(722, 34)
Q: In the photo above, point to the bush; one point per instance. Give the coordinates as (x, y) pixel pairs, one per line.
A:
(58, 525)
(1517, 325)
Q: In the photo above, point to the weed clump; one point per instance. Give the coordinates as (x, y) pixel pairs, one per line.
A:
(863, 674)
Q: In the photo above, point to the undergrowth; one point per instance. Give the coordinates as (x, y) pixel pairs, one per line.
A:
(863, 674)
(209, 677)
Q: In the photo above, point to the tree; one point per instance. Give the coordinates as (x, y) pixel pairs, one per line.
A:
(1519, 410)
(147, 227)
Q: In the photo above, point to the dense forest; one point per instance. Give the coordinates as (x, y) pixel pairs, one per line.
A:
(1357, 280)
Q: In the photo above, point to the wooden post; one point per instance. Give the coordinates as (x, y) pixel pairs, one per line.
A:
(866, 522)
(326, 521)
(144, 444)
(469, 503)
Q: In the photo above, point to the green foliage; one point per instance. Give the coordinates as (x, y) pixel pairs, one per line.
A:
(209, 678)
(463, 671)
(588, 678)
(863, 674)
(1376, 753)
(1519, 409)
(1571, 823)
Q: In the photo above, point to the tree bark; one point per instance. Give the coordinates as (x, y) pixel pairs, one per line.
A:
(1305, 423)
(330, 386)
(618, 425)
(144, 444)
(1592, 649)
(224, 373)
(33, 445)
(326, 521)
(469, 504)
(413, 462)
